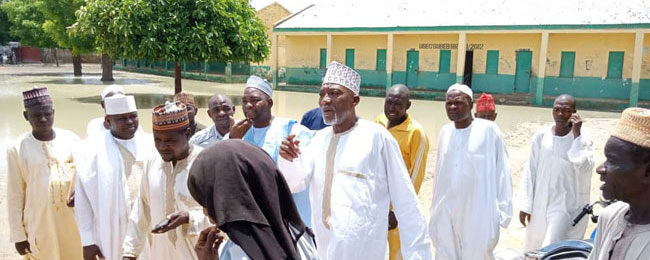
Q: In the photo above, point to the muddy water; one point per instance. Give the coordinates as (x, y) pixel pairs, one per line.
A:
(76, 101)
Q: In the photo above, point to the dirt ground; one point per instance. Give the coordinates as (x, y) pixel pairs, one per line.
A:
(518, 143)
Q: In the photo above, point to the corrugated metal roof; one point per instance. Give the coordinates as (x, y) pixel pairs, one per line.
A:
(442, 13)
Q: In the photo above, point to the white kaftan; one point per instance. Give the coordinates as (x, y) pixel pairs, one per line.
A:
(107, 188)
(40, 174)
(614, 229)
(555, 187)
(150, 209)
(367, 172)
(472, 191)
(95, 126)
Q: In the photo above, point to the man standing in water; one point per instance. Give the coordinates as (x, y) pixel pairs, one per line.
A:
(414, 146)
(624, 227)
(557, 179)
(472, 191)
(41, 171)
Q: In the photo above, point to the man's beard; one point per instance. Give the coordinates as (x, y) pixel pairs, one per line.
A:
(331, 121)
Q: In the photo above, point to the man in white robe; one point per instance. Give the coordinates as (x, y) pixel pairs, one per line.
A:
(354, 170)
(164, 194)
(99, 125)
(108, 183)
(557, 179)
(472, 190)
(40, 174)
(624, 227)
(266, 131)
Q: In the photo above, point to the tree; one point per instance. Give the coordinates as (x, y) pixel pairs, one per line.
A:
(96, 18)
(59, 15)
(182, 31)
(27, 23)
(5, 24)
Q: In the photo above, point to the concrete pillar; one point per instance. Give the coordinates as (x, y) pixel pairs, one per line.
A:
(460, 61)
(389, 61)
(636, 69)
(329, 48)
(274, 59)
(541, 73)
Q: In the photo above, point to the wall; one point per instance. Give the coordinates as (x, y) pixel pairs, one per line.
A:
(303, 59)
(365, 56)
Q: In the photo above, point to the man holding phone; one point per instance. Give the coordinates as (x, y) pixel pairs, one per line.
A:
(557, 179)
(165, 206)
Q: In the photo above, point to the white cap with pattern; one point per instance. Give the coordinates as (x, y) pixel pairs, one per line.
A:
(117, 105)
(340, 74)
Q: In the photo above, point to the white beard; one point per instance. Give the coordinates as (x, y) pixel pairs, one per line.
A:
(331, 121)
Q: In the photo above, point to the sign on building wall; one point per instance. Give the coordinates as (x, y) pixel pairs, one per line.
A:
(449, 46)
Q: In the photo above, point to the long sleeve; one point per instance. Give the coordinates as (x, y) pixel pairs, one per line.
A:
(527, 185)
(414, 239)
(581, 154)
(419, 149)
(84, 215)
(504, 182)
(298, 172)
(15, 196)
(139, 220)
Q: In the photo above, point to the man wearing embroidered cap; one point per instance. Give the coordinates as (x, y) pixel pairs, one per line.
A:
(354, 169)
(472, 191)
(109, 180)
(40, 176)
(485, 108)
(98, 125)
(624, 227)
(266, 131)
(192, 110)
(557, 179)
(163, 192)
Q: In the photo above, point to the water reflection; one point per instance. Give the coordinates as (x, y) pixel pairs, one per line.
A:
(150, 100)
(92, 81)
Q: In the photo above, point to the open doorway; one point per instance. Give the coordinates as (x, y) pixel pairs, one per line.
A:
(467, 74)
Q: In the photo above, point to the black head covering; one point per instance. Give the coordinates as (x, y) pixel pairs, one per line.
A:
(247, 197)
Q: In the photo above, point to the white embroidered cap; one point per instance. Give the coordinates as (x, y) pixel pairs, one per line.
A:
(120, 104)
(116, 89)
(261, 84)
(462, 88)
(338, 73)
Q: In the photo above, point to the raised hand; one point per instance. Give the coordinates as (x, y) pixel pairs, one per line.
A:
(289, 149)
(238, 130)
(576, 122)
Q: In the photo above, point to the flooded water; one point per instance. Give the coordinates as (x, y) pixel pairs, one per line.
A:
(76, 102)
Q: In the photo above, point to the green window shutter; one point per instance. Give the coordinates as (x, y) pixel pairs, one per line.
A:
(492, 64)
(567, 64)
(323, 58)
(349, 58)
(381, 59)
(615, 65)
(445, 60)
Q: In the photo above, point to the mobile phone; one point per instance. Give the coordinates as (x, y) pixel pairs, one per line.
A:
(160, 226)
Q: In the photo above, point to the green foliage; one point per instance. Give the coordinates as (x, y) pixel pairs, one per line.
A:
(179, 30)
(5, 24)
(59, 15)
(27, 23)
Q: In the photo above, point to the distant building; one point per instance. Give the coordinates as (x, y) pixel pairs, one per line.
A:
(590, 49)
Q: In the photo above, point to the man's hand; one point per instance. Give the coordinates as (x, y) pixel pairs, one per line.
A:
(524, 218)
(289, 149)
(576, 121)
(92, 252)
(207, 247)
(23, 247)
(392, 220)
(70, 202)
(238, 130)
(175, 220)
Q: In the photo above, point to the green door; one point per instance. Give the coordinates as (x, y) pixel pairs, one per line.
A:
(349, 58)
(522, 74)
(412, 61)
